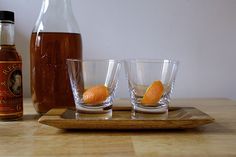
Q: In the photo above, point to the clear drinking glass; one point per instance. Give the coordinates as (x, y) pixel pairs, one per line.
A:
(93, 84)
(150, 84)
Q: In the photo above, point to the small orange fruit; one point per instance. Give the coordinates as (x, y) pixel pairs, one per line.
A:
(95, 95)
(153, 93)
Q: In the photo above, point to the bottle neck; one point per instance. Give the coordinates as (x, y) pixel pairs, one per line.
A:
(56, 16)
(58, 7)
(6, 33)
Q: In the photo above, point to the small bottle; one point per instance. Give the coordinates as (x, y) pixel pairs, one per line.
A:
(11, 97)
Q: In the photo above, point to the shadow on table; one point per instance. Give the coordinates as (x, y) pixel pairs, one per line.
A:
(31, 117)
(214, 128)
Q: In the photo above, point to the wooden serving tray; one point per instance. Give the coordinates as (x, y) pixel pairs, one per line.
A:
(177, 118)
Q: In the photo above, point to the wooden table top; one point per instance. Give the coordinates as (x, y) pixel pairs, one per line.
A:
(30, 138)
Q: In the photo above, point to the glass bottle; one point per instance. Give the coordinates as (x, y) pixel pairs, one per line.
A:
(55, 38)
(11, 97)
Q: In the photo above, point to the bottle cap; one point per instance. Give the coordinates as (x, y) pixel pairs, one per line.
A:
(7, 16)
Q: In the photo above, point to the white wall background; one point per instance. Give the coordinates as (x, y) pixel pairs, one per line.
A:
(201, 34)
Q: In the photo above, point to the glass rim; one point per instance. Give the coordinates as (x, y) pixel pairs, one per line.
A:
(151, 61)
(93, 60)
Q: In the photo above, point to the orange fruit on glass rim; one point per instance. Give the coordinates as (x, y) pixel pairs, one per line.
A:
(153, 93)
(95, 95)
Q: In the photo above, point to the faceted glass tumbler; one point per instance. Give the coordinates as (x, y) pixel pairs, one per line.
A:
(150, 84)
(93, 83)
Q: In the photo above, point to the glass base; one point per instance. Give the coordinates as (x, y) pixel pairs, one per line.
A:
(94, 109)
(153, 116)
(159, 112)
(159, 108)
(93, 116)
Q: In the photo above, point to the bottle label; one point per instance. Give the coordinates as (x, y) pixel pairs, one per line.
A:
(11, 97)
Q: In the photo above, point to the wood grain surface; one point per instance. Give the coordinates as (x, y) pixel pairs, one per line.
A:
(176, 118)
(30, 138)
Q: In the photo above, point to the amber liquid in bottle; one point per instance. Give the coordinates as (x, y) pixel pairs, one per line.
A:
(50, 86)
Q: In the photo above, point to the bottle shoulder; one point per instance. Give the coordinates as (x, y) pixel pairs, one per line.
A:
(9, 53)
(57, 16)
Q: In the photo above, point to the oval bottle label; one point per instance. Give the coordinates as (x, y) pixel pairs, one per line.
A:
(11, 97)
